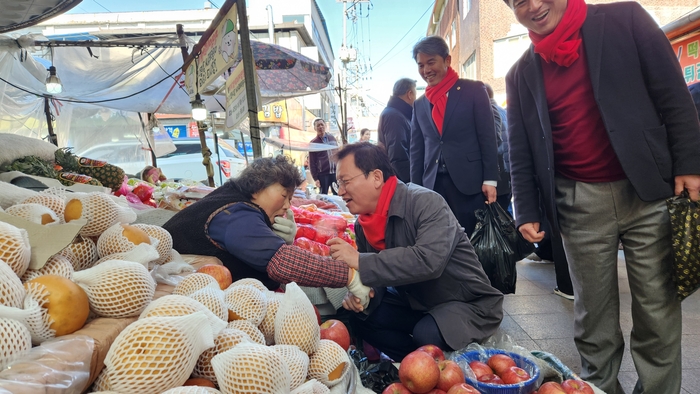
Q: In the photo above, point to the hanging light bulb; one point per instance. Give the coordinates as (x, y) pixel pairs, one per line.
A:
(53, 83)
(199, 111)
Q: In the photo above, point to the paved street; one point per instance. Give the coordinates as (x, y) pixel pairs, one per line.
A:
(538, 319)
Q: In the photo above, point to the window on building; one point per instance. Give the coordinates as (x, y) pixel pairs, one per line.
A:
(293, 18)
(469, 67)
(466, 5)
(453, 37)
(506, 52)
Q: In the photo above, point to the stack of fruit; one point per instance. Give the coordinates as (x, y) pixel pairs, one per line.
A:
(315, 228)
(426, 371)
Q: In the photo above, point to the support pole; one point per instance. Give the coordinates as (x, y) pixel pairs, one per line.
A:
(49, 122)
(249, 73)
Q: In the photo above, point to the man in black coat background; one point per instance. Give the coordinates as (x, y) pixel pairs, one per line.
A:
(394, 127)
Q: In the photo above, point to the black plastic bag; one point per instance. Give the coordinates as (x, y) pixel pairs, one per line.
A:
(685, 234)
(374, 376)
(499, 245)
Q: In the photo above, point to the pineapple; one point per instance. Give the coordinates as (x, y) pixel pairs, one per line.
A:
(109, 175)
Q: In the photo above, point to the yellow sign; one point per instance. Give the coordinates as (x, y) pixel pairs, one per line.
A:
(274, 112)
(236, 98)
(218, 53)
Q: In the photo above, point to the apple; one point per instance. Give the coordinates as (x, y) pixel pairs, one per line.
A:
(490, 379)
(318, 314)
(480, 368)
(219, 272)
(450, 374)
(436, 391)
(396, 388)
(419, 372)
(500, 363)
(551, 388)
(434, 351)
(336, 331)
(573, 386)
(515, 375)
(462, 388)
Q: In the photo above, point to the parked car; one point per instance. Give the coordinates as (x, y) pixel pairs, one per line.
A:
(184, 163)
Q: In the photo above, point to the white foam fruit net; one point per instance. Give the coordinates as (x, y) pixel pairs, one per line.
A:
(244, 325)
(55, 265)
(99, 210)
(297, 363)
(142, 254)
(33, 313)
(225, 340)
(192, 390)
(193, 282)
(115, 239)
(15, 341)
(35, 213)
(251, 368)
(55, 203)
(213, 299)
(14, 247)
(329, 363)
(177, 305)
(267, 326)
(312, 386)
(250, 282)
(117, 288)
(246, 303)
(165, 240)
(155, 354)
(296, 322)
(11, 289)
(82, 253)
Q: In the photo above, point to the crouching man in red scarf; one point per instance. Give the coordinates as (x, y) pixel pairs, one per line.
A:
(602, 129)
(428, 285)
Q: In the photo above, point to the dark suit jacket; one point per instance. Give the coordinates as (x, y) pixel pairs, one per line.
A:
(394, 132)
(468, 141)
(643, 101)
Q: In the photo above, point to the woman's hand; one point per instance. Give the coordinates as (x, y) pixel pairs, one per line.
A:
(353, 303)
(343, 251)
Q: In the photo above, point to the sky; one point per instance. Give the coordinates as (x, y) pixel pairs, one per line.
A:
(383, 32)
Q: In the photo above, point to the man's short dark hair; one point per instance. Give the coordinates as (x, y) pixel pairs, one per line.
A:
(368, 157)
(489, 90)
(431, 45)
(267, 171)
(403, 86)
(316, 120)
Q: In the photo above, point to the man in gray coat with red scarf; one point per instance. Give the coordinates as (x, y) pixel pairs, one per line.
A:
(603, 129)
(428, 285)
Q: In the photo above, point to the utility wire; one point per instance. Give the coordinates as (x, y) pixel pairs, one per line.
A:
(101, 5)
(404, 36)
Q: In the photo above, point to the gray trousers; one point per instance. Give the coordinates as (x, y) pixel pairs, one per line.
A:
(592, 218)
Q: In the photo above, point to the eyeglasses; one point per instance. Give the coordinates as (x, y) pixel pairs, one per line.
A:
(342, 183)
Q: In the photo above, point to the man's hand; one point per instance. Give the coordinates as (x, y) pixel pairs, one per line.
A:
(531, 232)
(490, 193)
(354, 303)
(690, 183)
(318, 184)
(343, 251)
(285, 228)
(358, 290)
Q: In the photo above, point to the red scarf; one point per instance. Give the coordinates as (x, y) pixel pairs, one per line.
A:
(374, 224)
(561, 45)
(437, 95)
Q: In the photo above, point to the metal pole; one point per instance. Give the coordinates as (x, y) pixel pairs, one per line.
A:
(249, 72)
(49, 122)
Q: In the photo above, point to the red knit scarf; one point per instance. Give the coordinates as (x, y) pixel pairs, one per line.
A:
(561, 45)
(374, 224)
(437, 95)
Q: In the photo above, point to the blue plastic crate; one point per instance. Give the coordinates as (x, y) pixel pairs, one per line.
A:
(526, 387)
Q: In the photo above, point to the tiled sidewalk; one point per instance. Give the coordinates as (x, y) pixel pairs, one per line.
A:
(536, 318)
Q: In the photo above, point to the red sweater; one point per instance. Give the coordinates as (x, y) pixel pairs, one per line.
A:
(582, 149)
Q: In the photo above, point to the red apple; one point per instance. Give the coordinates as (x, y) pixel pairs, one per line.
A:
(436, 391)
(462, 388)
(480, 368)
(336, 331)
(419, 372)
(500, 363)
(318, 314)
(396, 388)
(490, 379)
(573, 386)
(219, 272)
(450, 374)
(551, 388)
(434, 351)
(515, 375)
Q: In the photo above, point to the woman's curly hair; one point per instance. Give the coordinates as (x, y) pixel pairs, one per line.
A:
(266, 171)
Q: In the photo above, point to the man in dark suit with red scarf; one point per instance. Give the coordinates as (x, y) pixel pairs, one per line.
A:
(453, 139)
(603, 129)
